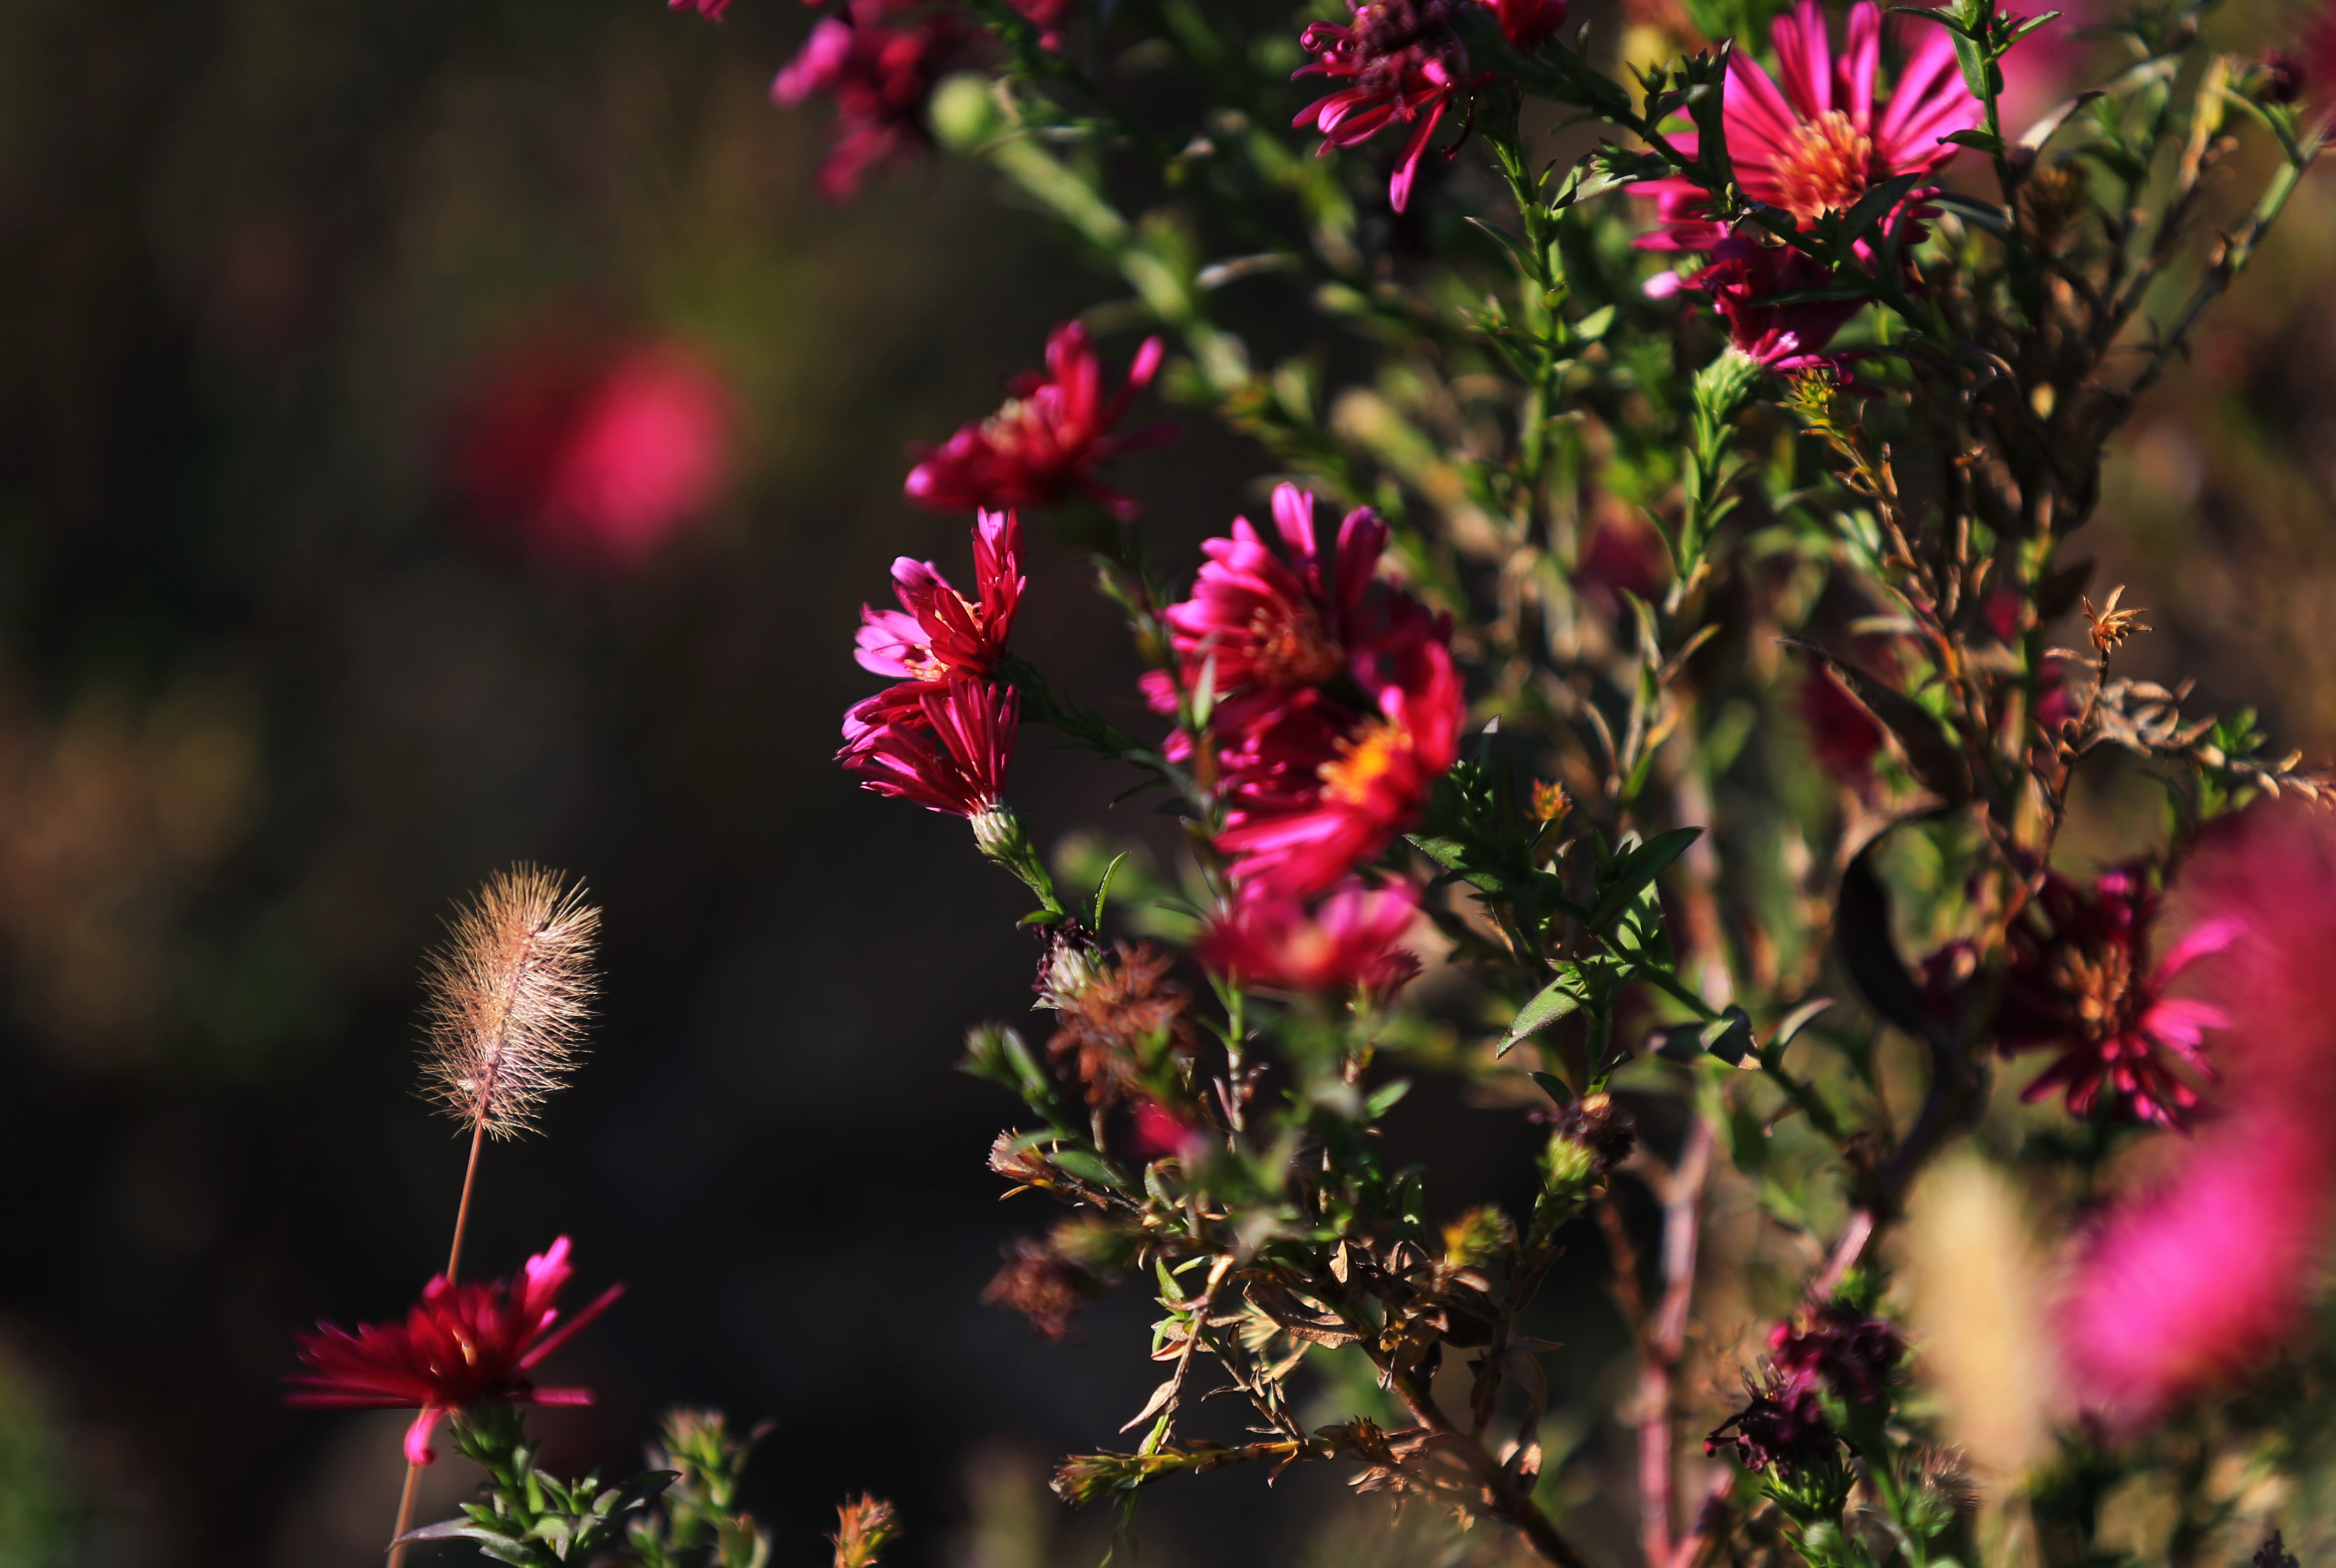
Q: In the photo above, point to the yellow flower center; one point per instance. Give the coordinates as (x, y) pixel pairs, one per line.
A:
(1363, 761)
(1829, 169)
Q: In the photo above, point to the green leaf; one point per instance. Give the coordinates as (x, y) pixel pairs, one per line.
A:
(1553, 1001)
(1979, 140)
(1988, 214)
(1594, 325)
(1556, 1087)
(1636, 870)
(1383, 1099)
(1728, 1037)
(1088, 1166)
(1103, 887)
(1517, 249)
(1873, 207)
(1449, 853)
(1794, 1022)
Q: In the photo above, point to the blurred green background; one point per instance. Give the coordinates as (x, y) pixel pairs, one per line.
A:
(277, 683)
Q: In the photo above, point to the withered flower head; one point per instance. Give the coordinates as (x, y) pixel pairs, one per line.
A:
(1853, 1355)
(508, 996)
(1550, 801)
(1043, 1286)
(1601, 1126)
(2110, 626)
(1018, 1161)
(1781, 1429)
(1122, 1017)
(2280, 77)
(2274, 1553)
(864, 1528)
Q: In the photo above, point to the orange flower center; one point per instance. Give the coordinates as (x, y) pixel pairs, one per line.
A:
(2099, 988)
(1293, 647)
(1828, 170)
(1362, 762)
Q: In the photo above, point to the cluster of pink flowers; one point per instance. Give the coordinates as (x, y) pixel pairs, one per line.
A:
(1403, 62)
(1814, 144)
(943, 734)
(1046, 442)
(460, 1347)
(1336, 708)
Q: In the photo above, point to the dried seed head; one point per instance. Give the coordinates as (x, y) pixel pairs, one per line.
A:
(508, 995)
(2110, 626)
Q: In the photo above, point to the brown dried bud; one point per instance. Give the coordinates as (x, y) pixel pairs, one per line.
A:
(1043, 1286)
(864, 1528)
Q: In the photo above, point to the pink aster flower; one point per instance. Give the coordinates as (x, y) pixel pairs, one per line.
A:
(944, 744)
(1267, 626)
(1399, 60)
(938, 632)
(460, 1347)
(878, 60)
(1745, 274)
(1831, 131)
(1048, 441)
(592, 453)
(2189, 1286)
(1346, 943)
(1320, 787)
(2080, 982)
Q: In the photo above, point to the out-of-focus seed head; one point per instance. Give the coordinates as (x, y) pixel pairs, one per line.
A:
(1044, 1287)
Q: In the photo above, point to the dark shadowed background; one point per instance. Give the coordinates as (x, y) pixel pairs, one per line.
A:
(304, 630)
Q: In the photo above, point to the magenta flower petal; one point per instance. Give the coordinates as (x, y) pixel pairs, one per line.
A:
(460, 1347)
